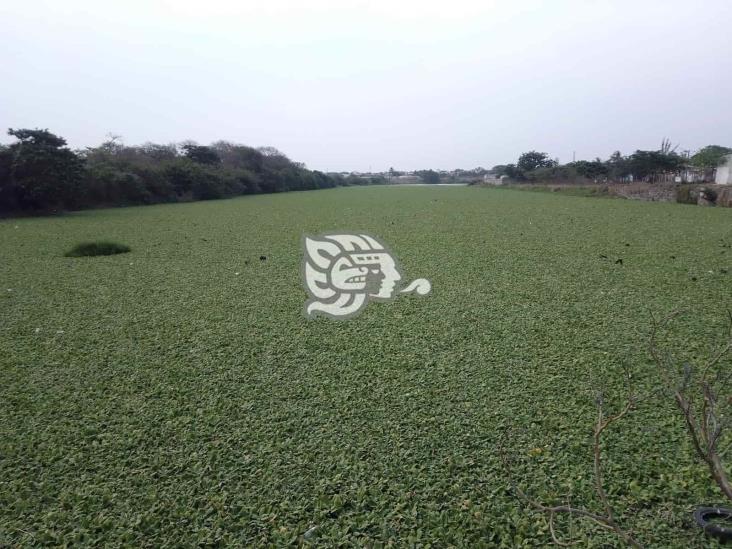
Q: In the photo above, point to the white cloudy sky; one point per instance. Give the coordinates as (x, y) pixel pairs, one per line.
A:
(348, 85)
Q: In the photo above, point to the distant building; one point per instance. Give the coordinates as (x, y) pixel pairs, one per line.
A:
(724, 172)
(685, 174)
(691, 174)
(491, 179)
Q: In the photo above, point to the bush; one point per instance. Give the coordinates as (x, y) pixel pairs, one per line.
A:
(90, 249)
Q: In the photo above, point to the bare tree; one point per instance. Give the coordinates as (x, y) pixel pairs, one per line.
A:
(271, 151)
(113, 144)
(666, 147)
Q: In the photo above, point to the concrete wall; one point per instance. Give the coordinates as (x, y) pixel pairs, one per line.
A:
(724, 172)
(724, 176)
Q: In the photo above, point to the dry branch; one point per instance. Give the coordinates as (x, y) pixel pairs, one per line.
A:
(605, 520)
(696, 393)
(698, 399)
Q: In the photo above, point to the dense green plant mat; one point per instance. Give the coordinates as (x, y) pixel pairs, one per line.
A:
(177, 395)
(91, 249)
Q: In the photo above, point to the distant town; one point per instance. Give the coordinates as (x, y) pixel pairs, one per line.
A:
(710, 164)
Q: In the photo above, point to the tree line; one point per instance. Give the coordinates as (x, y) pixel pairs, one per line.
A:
(639, 166)
(39, 173)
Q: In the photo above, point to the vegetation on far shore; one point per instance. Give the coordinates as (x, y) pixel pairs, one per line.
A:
(39, 173)
(640, 166)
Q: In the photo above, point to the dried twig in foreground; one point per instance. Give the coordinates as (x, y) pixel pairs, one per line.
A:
(607, 519)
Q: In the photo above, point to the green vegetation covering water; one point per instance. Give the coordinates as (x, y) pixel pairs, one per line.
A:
(176, 395)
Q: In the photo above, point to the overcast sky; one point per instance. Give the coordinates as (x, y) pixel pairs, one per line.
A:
(353, 85)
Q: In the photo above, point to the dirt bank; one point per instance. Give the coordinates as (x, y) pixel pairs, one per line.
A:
(700, 194)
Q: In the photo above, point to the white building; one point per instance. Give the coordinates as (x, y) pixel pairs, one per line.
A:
(493, 180)
(724, 172)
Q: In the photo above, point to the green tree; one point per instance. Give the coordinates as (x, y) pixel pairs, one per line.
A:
(590, 170)
(43, 173)
(7, 197)
(710, 156)
(157, 153)
(201, 154)
(512, 172)
(237, 156)
(39, 172)
(644, 163)
(429, 176)
(617, 166)
(532, 160)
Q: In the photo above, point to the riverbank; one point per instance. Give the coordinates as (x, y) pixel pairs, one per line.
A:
(706, 194)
